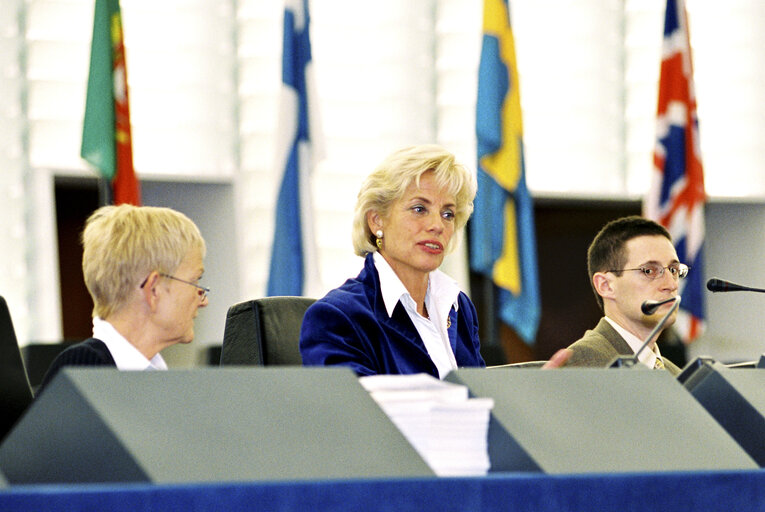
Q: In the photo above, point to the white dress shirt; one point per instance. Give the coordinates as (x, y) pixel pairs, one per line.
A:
(648, 356)
(124, 353)
(440, 298)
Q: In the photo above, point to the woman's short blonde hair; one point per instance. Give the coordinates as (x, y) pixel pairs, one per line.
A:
(123, 244)
(393, 176)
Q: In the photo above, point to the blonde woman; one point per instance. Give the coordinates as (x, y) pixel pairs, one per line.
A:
(142, 267)
(401, 314)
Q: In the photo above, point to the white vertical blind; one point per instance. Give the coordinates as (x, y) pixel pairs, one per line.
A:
(570, 62)
(13, 166)
(57, 42)
(458, 49)
(644, 28)
(181, 68)
(259, 31)
(729, 64)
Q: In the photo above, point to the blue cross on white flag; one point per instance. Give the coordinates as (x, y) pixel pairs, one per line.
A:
(293, 268)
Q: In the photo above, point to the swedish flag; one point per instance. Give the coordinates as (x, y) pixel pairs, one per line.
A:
(502, 238)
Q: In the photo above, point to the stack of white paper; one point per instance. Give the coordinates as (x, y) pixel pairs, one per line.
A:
(446, 427)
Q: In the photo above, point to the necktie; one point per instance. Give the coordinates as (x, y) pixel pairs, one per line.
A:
(659, 364)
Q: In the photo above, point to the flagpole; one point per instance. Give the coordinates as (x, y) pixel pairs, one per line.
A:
(104, 192)
(490, 332)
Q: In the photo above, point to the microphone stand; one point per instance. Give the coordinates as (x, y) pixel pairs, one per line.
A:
(630, 361)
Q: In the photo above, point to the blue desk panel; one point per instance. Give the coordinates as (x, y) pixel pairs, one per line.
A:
(739, 491)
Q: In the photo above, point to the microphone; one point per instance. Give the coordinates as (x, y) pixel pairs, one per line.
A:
(649, 307)
(719, 285)
(631, 361)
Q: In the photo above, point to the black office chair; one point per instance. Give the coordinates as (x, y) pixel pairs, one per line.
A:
(38, 358)
(264, 332)
(210, 355)
(15, 391)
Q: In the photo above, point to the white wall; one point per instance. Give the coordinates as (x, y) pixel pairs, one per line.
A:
(210, 206)
(735, 251)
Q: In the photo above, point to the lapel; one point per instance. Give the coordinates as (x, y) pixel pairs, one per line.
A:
(399, 324)
(452, 330)
(620, 346)
(402, 325)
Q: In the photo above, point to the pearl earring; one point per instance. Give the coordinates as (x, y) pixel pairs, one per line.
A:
(378, 241)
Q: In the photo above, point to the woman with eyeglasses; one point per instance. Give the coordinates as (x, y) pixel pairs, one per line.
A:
(401, 314)
(142, 266)
(630, 261)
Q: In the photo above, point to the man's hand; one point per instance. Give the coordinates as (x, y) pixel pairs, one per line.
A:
(558, 359)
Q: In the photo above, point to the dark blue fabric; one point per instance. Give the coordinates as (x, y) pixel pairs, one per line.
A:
(740, 491)
(91, 352)
(350, 327)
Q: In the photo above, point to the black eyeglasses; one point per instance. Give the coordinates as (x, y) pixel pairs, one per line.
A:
(201, 290)
(655, 271)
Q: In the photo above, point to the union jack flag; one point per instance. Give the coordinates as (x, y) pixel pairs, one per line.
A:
(676, 198)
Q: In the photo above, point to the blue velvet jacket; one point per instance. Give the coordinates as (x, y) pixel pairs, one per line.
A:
(350, 327)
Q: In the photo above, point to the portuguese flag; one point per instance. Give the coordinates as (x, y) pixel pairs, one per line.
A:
(106, 139)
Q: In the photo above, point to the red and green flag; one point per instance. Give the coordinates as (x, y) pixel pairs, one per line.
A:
(106, 140)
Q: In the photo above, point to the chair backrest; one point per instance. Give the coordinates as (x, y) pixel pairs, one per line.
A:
(38, 358)
(210, 355)
(264, 332)
(15, 391)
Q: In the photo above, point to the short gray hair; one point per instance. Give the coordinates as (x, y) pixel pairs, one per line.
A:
(123, 244)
